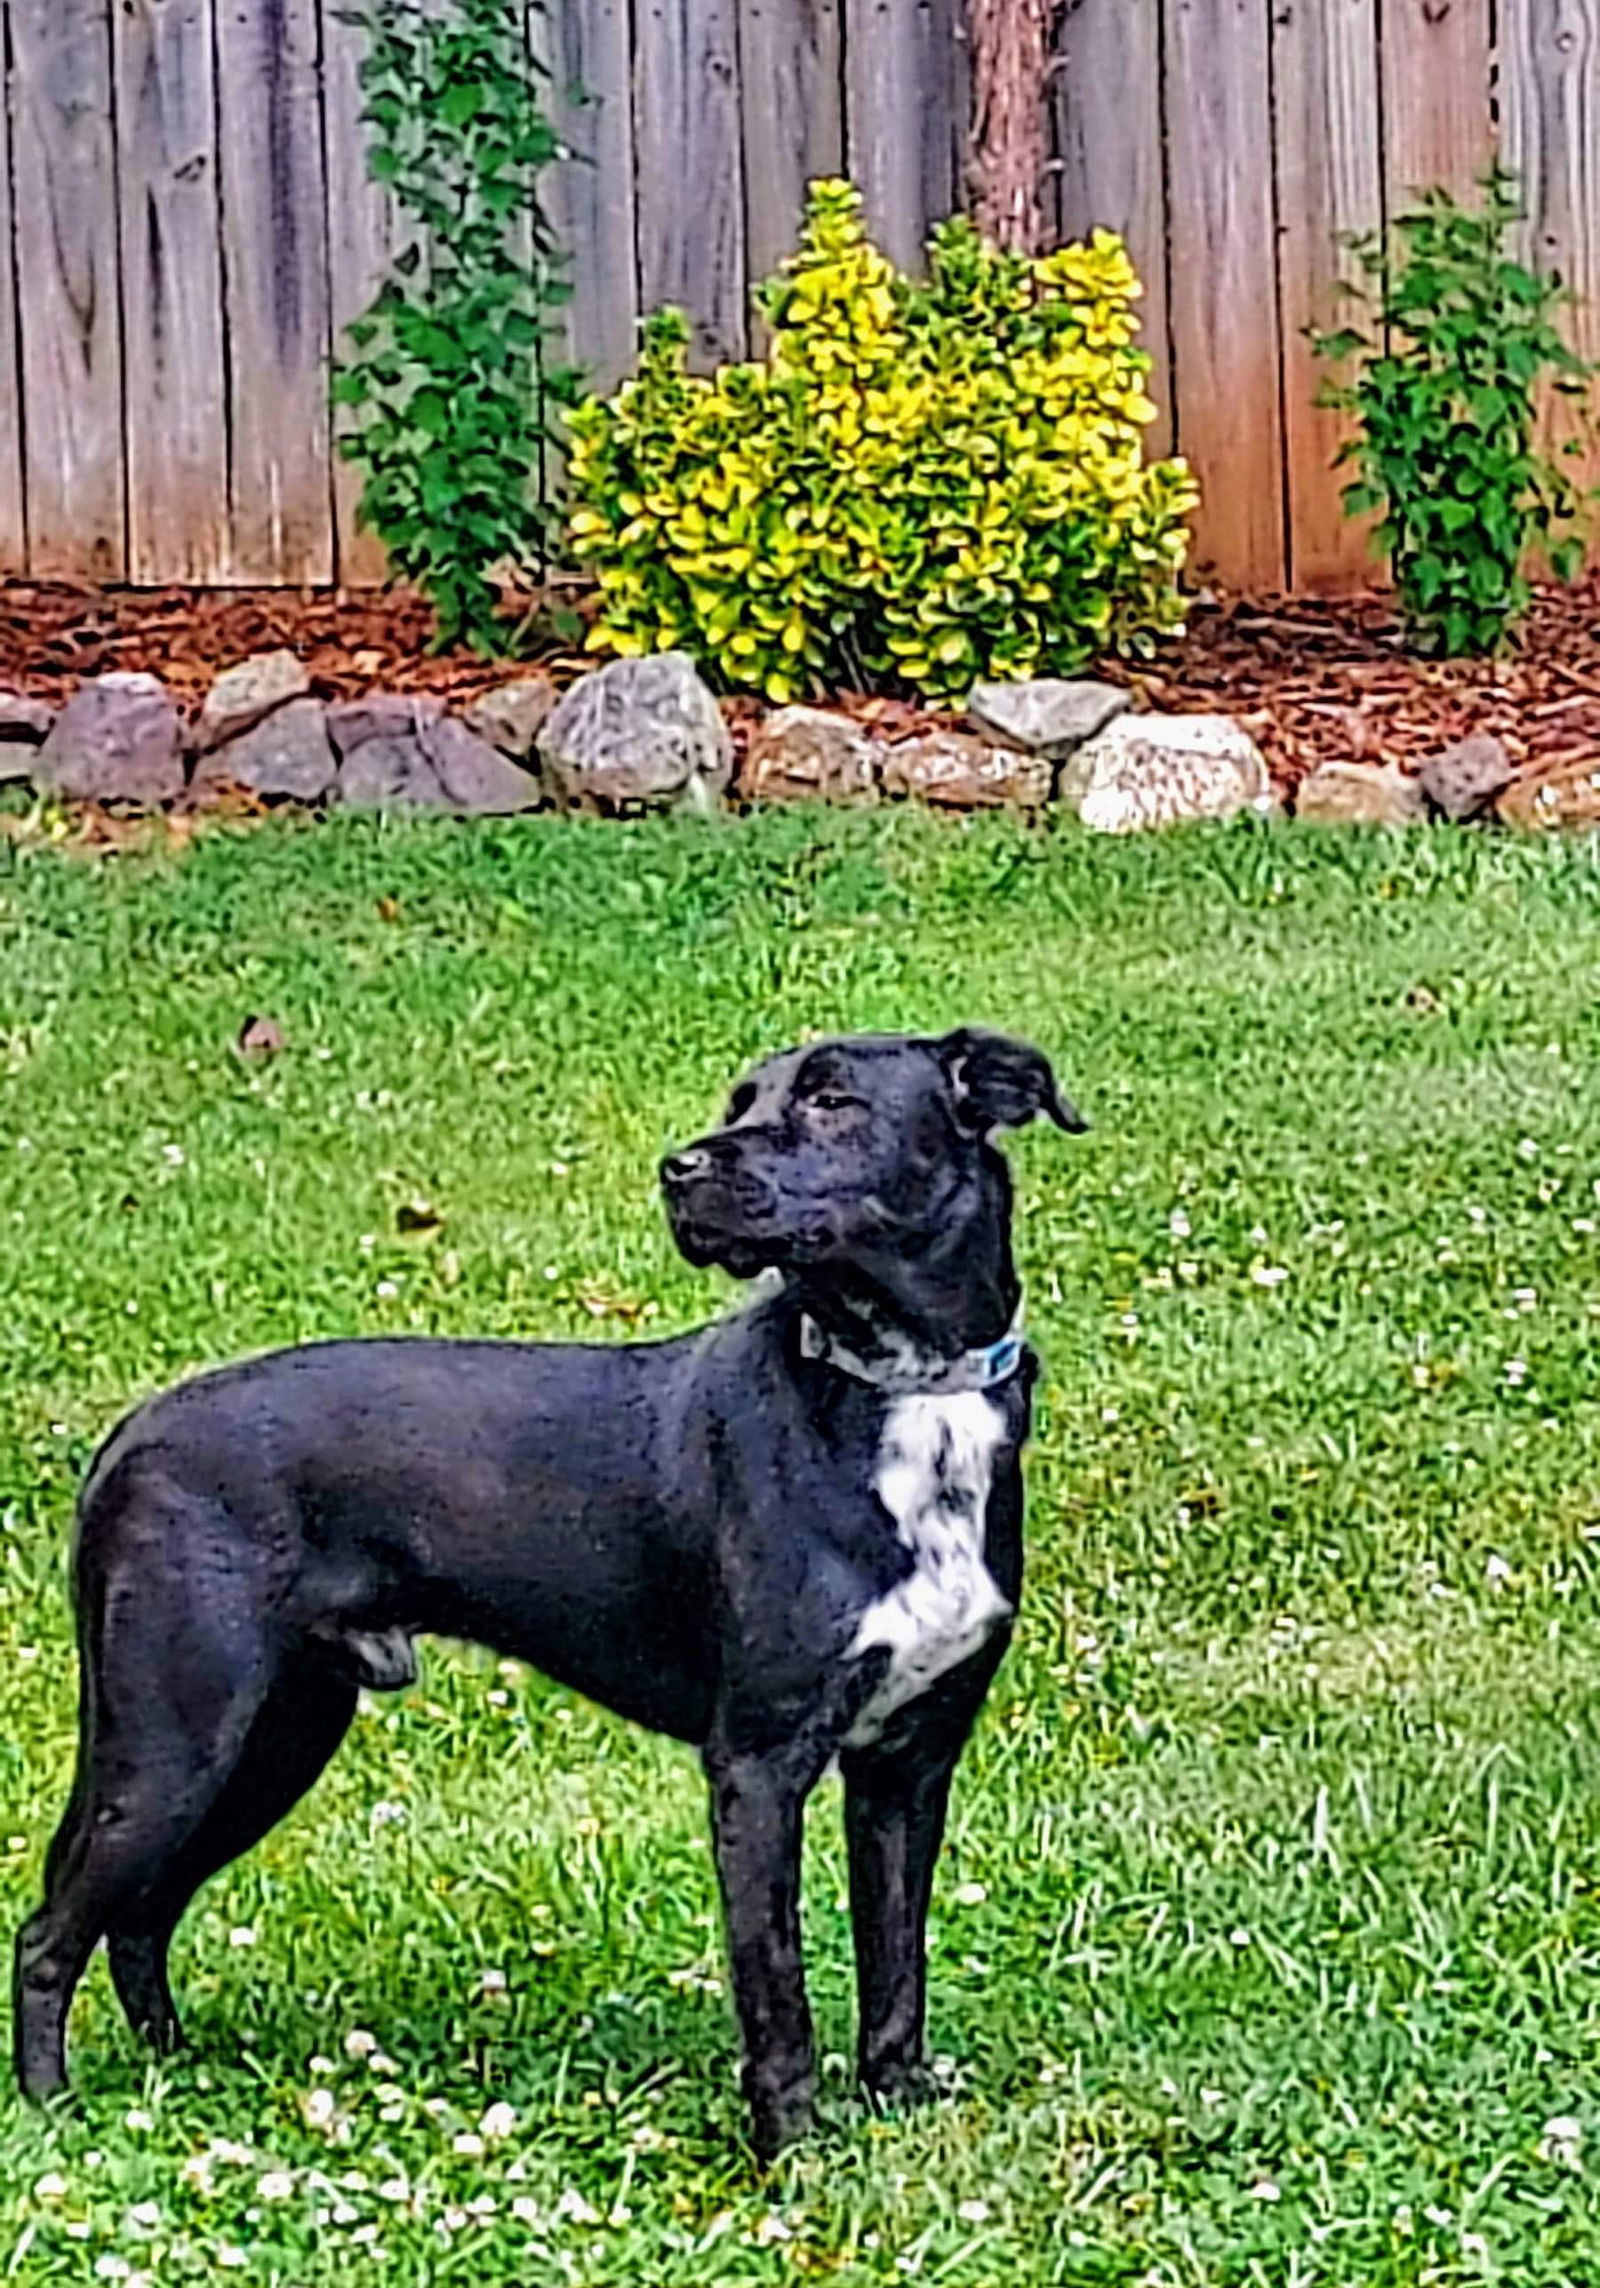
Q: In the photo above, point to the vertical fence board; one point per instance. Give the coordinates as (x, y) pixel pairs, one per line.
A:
(13, 512)
(1550, 115)
(67, 287)
(690, 168)
(1224, 288)
(1330, 180)
(362, 237)
(1112, 174)
(904, 117)
(592, 197)
(790, 64)
(171, 291)
(1437, 126)
(275, 247)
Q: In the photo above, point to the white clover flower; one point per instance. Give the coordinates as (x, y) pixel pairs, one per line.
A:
(1562, 2140)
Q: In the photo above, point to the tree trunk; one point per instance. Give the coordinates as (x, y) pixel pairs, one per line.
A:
(1008, 149)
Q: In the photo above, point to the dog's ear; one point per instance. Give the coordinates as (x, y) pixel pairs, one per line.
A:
(999, 1082)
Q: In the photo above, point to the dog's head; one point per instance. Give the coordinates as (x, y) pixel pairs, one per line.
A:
(853, 1150)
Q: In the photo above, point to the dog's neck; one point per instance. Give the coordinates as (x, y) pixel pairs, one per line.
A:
(914, 1317)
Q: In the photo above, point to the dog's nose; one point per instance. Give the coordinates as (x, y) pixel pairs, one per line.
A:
(683, 1167)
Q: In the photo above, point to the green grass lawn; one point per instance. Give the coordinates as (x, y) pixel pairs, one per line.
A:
(1266, 1941)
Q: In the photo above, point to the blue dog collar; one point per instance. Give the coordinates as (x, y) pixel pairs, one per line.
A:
(908, 1375)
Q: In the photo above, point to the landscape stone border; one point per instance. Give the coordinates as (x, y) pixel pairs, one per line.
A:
(647, 734)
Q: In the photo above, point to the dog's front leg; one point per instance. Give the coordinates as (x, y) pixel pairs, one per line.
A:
(894, 1822)
(757, 1800)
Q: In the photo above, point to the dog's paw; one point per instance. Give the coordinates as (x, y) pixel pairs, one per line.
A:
(780, 2119)
(900, 2086)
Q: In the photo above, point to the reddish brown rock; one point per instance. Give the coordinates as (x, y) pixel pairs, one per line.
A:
(803, 754)
(1564, 794)
(1359, 794)
(956, 771)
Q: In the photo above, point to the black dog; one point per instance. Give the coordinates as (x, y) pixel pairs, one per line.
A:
(793, 1537)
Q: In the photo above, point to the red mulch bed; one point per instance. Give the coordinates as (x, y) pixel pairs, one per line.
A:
(1317, 682)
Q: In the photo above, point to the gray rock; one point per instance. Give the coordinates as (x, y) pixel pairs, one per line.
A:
(1359, 794)
(1160, 770)
(805, 754)
(390, 772)
(288, 754)
(17, 758)
(1468, 779)
(639, 732)
(1047, 716)
(245, 695)
(118, 740)
(380, 715)
(474, 777)
(511, 717)
(958, 771)
(23, 720)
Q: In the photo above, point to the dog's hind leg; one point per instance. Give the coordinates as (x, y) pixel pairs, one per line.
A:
(300, 1724)
(175, 1665)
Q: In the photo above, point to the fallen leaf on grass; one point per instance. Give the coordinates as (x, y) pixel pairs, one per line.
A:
(260, 1038)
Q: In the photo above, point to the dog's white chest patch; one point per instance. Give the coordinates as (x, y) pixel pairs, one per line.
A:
(935, 1465)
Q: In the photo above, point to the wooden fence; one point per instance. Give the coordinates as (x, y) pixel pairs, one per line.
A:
(186, 225)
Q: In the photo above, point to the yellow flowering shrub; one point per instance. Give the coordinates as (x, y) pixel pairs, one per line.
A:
(920, 484)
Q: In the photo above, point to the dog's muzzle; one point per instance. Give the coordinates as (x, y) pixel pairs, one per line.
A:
(719, 1209)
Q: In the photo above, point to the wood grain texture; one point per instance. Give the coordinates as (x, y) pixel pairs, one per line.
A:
(690, 168)
(172, 291)
(1224, 285)
(1330, 181)
(275, 249)
(67, 288)
(1107, 101)
(1550, 120)
(1437, 126)
(905, 116)
(791, 64)
(13, 495)
(592, 194)
(362, 240)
